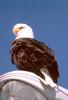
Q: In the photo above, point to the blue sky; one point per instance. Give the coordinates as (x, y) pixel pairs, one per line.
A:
(49, 20)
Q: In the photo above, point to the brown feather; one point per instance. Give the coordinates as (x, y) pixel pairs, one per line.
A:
(32, 55)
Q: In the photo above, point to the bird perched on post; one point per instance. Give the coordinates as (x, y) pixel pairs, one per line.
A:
(32, 55)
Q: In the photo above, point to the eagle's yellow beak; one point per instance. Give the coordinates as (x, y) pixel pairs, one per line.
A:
(16, 30)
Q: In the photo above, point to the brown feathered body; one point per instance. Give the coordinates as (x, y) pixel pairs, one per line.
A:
(31, 55)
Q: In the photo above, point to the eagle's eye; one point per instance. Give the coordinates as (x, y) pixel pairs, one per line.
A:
(21, 27)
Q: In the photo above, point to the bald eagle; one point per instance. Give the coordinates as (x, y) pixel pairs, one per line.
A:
(32, 55)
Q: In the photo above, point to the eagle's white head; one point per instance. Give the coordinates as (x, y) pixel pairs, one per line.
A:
(23, 31)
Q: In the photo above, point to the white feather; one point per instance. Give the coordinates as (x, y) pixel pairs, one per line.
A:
(25, 32)
(48, 80)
